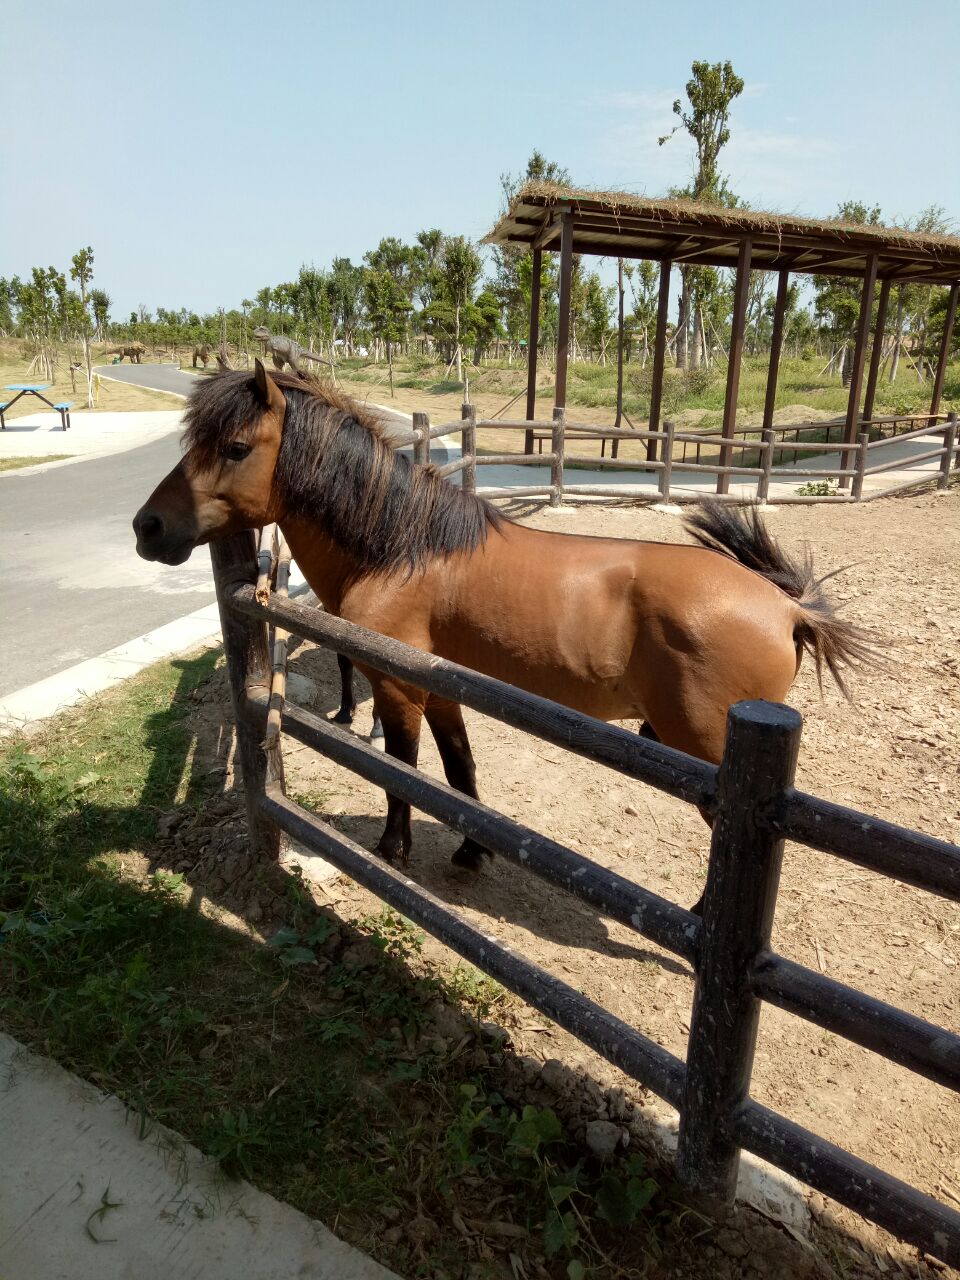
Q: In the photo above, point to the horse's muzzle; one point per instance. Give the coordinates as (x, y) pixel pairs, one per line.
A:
(155, 541)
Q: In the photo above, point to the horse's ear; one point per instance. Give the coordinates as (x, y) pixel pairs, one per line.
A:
(260, 381)
(268, 393)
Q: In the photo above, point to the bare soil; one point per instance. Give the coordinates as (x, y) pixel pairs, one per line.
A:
(891, 752)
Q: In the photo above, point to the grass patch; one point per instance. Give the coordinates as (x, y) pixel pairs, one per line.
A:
(14, 464)
(333, 1066)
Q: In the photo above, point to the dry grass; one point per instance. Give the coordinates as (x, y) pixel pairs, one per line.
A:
(113, 397)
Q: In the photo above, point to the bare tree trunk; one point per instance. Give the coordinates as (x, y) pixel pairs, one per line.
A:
(683, 319)
(897, 336)
(697, 348)
(456, 338)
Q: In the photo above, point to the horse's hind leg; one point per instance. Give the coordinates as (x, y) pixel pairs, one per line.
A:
(348, 703)
(446, 723)
(647, 731)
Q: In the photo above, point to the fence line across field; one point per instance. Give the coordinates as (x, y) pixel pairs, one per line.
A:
(754, 806)
(850, 471)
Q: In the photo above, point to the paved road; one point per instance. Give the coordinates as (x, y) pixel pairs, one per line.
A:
(156, 377)
(75, 584)
(167, 377)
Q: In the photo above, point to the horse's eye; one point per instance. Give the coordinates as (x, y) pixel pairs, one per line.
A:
(237, 451)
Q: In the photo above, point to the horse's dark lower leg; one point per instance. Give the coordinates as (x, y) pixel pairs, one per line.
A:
(401, 726)
(377, 730)
(647, 731)
(348, 705)
(446, 723)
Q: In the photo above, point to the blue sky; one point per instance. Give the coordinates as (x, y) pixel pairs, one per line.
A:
(207, 150)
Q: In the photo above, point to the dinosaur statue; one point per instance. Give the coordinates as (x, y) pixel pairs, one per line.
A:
(286, 351)
(135, 351)
(202, 353)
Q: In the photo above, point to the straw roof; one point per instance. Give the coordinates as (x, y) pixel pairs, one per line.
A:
(617, 224)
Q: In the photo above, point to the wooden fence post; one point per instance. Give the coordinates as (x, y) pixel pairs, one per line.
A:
(468, 448)
(768, 438)
(557, 446)
(421, 447)
(949, 442)
(863, 439)
(666, 458)
(249, 666)
(759, 760)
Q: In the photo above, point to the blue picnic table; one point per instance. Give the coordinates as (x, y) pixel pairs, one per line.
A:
(35, 389)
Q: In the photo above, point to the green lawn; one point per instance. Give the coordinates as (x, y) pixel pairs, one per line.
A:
(311, 1065)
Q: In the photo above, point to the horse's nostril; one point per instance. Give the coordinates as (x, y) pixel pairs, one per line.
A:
(149, 526)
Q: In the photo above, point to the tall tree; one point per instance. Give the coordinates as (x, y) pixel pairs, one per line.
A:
(100, 304)
(513, 266)
(710, 90)
(81, 270)
(461, 266)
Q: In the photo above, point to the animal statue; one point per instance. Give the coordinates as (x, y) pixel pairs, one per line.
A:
(202, 353)
(135, 350)
(671, 635)
(285, 351)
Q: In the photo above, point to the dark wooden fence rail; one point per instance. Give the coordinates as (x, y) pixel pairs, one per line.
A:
(769, 452)
(754, 806)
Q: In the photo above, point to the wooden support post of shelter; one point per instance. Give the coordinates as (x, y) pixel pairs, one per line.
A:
(852, 428)
(948, 324)
(776, 347)
(876, 353)
(563, 325)
(659, 357)
(533, 344)
(615, 446)
(738, 329)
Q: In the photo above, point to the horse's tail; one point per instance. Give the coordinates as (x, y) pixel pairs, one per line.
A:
(831, 641)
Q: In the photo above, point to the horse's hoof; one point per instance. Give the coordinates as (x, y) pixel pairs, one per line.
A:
(343, 717)
(376, 731)
(469, 856)
(697, 908)
(392, 851)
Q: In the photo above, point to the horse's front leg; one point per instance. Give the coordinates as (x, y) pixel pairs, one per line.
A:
(348, 703)
(450, 733)
(400, 707)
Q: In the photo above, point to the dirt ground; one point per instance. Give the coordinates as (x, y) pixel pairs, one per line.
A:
(892, 752)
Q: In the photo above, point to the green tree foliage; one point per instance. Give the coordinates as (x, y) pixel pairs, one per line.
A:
(711, 89)
(836, 301)
(513, 267)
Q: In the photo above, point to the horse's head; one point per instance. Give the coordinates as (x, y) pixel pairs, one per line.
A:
(225, 480)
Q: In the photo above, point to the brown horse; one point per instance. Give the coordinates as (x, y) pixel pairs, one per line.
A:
(671, 635)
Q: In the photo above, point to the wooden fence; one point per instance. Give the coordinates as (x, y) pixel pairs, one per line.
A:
(761, 460)
(754, 805)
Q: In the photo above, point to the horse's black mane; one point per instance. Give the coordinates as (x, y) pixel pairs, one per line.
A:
(337, 467)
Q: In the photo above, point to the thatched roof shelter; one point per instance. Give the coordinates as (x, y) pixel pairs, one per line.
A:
(573, 220)
(620, 225)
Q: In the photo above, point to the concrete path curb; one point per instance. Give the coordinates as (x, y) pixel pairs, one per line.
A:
(66, 1146)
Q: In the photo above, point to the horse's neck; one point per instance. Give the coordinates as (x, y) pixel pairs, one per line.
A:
(324, 563)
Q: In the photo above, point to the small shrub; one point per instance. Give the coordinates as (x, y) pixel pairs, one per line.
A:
(818, 489)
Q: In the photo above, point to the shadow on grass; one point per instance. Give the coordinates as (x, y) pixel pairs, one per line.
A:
(334, 1068)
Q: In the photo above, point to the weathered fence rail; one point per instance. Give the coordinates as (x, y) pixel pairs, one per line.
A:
(753, 804)
(855, 461)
